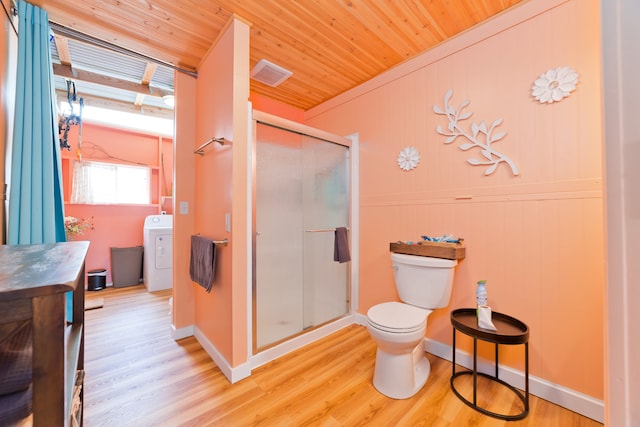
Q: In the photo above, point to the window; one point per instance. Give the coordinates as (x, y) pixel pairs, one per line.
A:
(107, 183)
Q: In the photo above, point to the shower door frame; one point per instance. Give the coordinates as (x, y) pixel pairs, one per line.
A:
(351, 143)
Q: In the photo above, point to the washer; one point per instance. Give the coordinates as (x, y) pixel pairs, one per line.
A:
(158, 252)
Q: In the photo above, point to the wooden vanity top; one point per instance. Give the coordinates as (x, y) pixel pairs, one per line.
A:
(27, 271)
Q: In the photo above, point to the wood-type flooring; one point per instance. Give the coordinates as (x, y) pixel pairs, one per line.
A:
(137, 375)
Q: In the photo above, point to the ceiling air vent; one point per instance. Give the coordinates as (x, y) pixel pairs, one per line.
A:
(269, 73)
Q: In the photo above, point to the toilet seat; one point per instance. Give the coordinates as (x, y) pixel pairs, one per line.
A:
(397, 317)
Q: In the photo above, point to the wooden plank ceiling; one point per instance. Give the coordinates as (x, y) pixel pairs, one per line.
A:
(329, 45)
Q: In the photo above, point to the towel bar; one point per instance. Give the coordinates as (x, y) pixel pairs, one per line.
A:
(221, 141)
(322, 230)
(224, 242)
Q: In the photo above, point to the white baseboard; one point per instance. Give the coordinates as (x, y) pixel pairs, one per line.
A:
(360, 319)
(233, 374)
(182, 333)
(555, 393)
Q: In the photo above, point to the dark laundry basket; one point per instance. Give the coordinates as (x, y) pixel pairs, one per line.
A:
(97, 279)
(126, 266)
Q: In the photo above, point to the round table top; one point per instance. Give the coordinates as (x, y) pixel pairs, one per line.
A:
(509, 329)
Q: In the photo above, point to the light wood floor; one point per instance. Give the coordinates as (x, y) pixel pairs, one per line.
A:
(137, 375)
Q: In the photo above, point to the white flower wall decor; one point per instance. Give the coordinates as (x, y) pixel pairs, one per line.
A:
(554, 85)
(478, 135)
(408, 158)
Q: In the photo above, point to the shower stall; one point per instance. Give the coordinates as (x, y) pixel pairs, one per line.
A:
(301, 194)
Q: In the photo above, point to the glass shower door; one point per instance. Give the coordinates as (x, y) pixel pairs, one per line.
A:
(302, 195)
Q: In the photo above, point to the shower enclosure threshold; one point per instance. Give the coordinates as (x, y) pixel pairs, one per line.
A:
(307, 336)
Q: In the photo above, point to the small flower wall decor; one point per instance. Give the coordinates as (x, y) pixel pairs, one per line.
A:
(76, 226)
(408, 158)
(554, 85)
(479, 135)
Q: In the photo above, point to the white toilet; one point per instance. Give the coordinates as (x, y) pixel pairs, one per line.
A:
(423, 284)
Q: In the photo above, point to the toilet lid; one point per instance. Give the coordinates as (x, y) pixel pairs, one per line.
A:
(397, 317)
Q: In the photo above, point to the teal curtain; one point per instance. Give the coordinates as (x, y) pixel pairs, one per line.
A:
(36, 208)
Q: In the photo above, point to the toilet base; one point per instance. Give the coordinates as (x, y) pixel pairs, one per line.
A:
(400, 376)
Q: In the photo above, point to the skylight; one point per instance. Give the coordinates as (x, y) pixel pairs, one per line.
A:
(123, 120)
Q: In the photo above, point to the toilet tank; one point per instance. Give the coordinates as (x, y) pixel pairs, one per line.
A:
(423, 281)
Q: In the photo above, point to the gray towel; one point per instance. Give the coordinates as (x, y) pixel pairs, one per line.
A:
(341, 246)
(203, 261)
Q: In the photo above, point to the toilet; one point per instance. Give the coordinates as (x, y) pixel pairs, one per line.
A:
(398, 328)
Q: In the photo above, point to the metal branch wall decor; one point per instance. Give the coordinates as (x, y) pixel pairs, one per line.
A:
(479, 135)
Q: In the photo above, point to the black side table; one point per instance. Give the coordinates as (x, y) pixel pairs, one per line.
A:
(510, 331)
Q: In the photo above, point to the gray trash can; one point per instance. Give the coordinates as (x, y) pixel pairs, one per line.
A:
(126, 266)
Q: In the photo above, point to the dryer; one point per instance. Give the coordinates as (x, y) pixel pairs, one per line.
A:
(158, 252)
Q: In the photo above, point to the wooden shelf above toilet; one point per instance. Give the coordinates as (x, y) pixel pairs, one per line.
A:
(430, 249)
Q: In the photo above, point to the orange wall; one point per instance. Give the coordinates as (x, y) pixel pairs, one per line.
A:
(184, 192)
(240, 214)
(216, 184)
(221, 188)
(116, 225)
(537, 238)
(276, 108)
